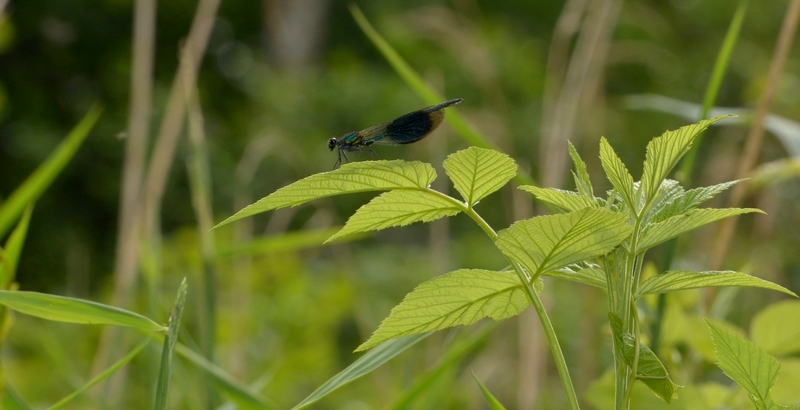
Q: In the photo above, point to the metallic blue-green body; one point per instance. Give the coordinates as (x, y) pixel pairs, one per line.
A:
(406, 129)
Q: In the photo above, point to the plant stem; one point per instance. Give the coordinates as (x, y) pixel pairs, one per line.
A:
(536, 302)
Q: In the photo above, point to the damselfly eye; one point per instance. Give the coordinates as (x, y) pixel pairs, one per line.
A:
(332, 143)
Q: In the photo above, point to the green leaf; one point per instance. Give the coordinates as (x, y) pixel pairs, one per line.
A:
(13, 249)
(398, 208)
(448, 361)
(649, 369)
(40, 180)
(225, 383)
(546, 243)
(617, 173)
(365, 364)
(477, 172)
(494, 404)
(566, 200)
(162, 385)
(746, 364)
(684, 201)
(776, 328)
(672, 281)
(283, 242)
(582, 181)
(70, 310)
(656, 233)
(102, 376)
(354, 177)
(663, 153)
(461, 297)
(586, 273)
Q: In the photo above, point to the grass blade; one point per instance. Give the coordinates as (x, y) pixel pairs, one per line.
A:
(102, 376)
(494, 404)
(39, 180)
(71, 310)
(162, 389)
(365, 364)
(13, 249)
(423, 90)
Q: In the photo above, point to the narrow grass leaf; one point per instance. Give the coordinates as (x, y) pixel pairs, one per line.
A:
(102, 376)
(354, 177)
(33, 187)
(746, 364)
(283, 242)
(617, 173)
(462, 128)
(448, 361)
(397, 208)
(162, 386)
(582, 181)
(586, 273)
(12, 400)
(649, 370)
(685, 201)
(776, 328)
(551, 242)
(477, 172)
(657, 233)
(71, 310)
(13, 248)
(663, 153)
(672, 281)
(225, 383)
(461, 297)
(365, 364)
(494, 404)
(565, 200)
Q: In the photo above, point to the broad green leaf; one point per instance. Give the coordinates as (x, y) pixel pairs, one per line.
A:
(40, 180)
(284, 242)
(649, 369)
(546, 243)
(354, 177)
(583, 183)
(663, 153)
(672, 281)
(657, 233)
(70, 310)
(617, 173)
(586, 273)
(162, 385)
(566, 200)
(225, 383)
(746, 364)
(477, 172)
(102, 376)
(398, 208)
(13, 249)
(685, 201)
(365, 364)
(776, 328)
(494, 404)
(461, 297)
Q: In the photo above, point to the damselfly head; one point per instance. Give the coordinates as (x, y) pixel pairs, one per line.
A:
(332, 143)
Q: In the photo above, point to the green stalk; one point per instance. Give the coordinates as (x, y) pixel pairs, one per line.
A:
(536, 302)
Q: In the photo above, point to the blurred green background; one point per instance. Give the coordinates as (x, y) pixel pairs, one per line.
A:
(278, 79)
